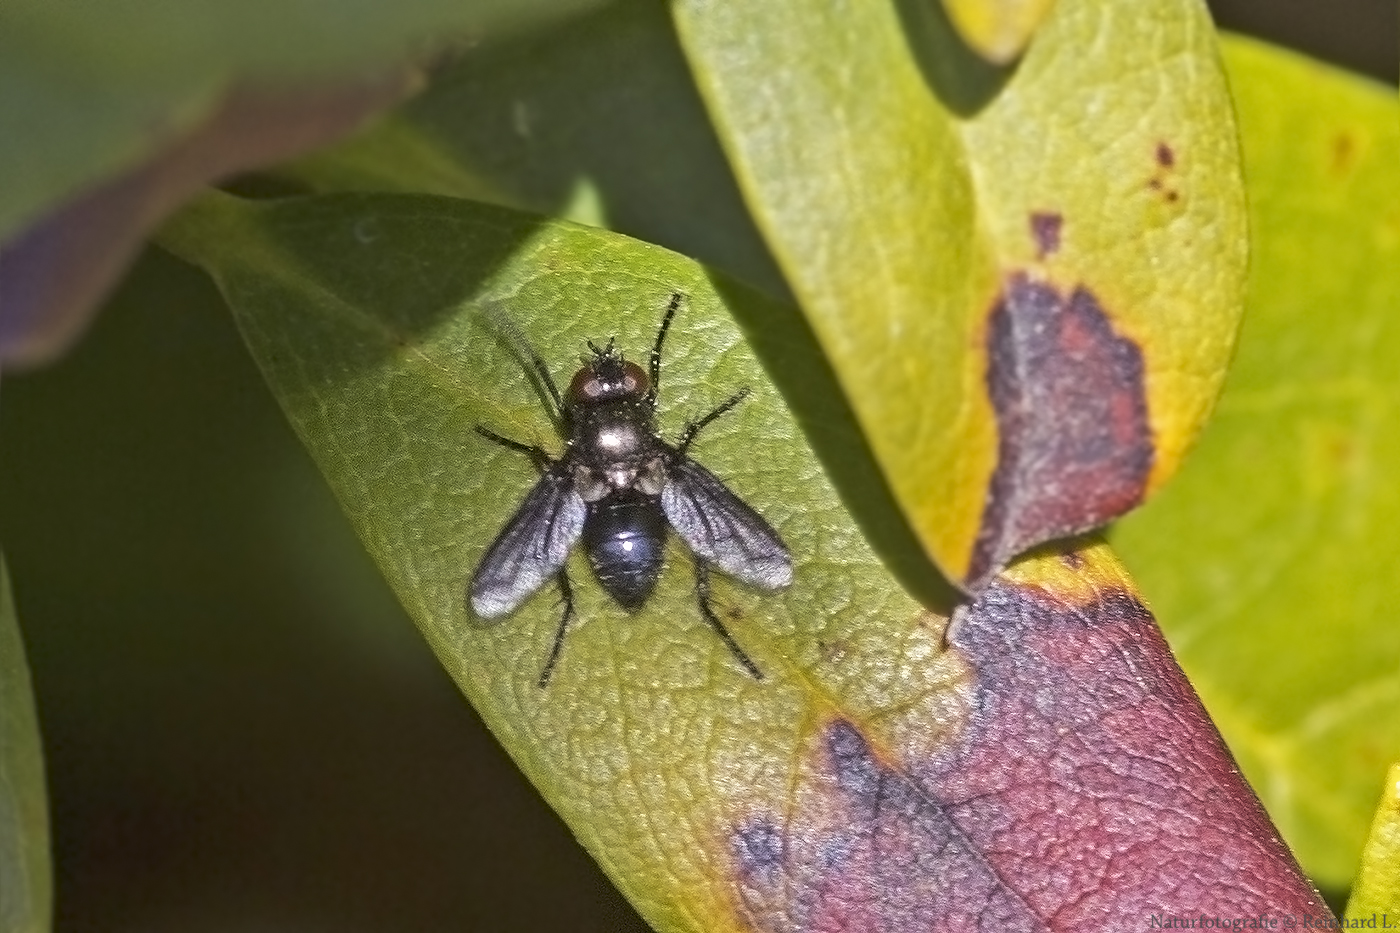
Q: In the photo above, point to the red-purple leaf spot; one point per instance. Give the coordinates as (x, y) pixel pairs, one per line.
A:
(1093, 778)
(867, 849)
(1045, 230)
(1074, 446)
(1165, 158)
(1088, 791)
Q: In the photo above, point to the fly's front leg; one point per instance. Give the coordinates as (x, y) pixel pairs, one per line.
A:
(566, 593)
(695, 427)
(702, 595)
(656, 347)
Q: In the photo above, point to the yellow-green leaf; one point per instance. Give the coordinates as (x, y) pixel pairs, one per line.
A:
(998, 30)
(1050, 259)
(1376, 894)
(1274, 552)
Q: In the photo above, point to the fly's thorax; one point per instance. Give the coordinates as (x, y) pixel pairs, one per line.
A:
(613, 447)
(622, 430)
(594, 483)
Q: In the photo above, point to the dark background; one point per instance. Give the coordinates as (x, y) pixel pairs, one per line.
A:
(243, 730)
(1363, 35)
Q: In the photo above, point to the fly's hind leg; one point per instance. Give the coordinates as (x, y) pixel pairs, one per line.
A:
(543, 462)
(566, 597)
(702, 596)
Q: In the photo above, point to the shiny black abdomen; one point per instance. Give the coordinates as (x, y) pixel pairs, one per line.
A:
(624, 535)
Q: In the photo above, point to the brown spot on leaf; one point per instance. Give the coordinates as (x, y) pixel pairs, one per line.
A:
(1170, 195)
(1088, 790)
(1045, 230)
(1074, 444)
(1165, 158)
(1344, 152)
(1072, 560)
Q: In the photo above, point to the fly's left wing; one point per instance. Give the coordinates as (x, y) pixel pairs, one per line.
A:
(722, 528)
(531, 548)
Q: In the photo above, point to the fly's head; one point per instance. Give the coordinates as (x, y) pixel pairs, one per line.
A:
(613, 445)
(607, 377)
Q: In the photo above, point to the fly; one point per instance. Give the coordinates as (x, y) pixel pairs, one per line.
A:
(617, 488)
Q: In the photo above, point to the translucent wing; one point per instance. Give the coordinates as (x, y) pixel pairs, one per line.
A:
(722, 528)
(531, 548)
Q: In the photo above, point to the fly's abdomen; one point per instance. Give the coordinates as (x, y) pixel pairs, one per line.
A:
(625, 536)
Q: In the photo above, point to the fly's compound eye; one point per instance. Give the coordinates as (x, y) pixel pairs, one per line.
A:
(587, 386)
(608, 379)
(634, 381)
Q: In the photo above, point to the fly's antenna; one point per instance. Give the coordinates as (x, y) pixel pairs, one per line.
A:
(601, 353)
(656, 347)
(525, 352)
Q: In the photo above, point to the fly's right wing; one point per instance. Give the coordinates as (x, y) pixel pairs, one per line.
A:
(722, 528)
(531, 548)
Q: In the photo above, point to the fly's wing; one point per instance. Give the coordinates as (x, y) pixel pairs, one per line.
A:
(722, 528)
(531, 548)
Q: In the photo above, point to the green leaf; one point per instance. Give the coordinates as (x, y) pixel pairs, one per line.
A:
(1377, 889)
(25, 886)
(932, 214)
(598, 113)
(1271, 559)
(371, 317)
(89, 90)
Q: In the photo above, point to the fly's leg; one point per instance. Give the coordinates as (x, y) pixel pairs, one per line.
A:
(522, 346)
(566, 593)
(656, 347)
(541, 459)
(702, 595)
(695, 427)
